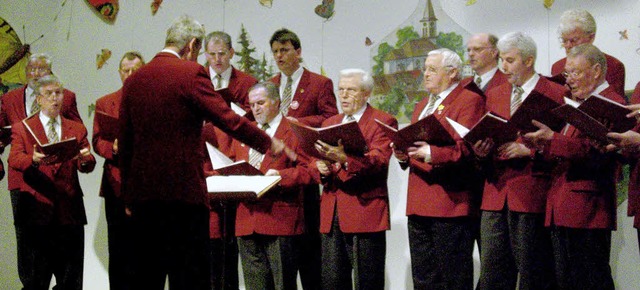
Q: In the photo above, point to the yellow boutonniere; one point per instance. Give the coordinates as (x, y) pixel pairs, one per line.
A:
(440, 108)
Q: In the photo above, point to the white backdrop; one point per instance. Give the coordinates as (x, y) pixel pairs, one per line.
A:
(79, 34)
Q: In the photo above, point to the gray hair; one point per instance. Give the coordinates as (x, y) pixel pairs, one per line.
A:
(219, 36)
(450, 59)
(525, 45)
(591, 53)
(183, 30)
(41, 56)
(577, 18)
(366, 81)
(47, 80)
(273, 92)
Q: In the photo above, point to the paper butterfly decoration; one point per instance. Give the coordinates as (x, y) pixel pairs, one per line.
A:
(624, 34)
(367, 41)
(107, 8)
(471, 2)
(266, 3)
(102, 57)
(13, 56)
(325, 10)
(154, 6)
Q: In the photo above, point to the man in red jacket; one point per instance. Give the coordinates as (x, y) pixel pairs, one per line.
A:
(48, 206)
(354, 208)
(117, 221)
(578, 27)
(443, 195)
(164, 105)
(581, 205)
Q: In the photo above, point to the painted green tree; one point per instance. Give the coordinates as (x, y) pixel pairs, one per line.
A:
(451, 41)
(246, 63)
(405, 35)
(383, 50)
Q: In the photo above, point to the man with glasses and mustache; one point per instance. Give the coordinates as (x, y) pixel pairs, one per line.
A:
(578, 27)
(48, 205)
(581, 204)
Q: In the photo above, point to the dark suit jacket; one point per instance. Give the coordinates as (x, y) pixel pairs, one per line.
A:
(314, 98)
(13, 110)
(448, 186)
(110, 185)
(523, 182)
(359, 192)
(238, 92)
(615, 72)
(583, 193)
(280, 211)
(51, 194)
(163, 108)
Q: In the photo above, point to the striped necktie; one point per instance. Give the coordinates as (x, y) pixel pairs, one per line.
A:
(34, 106)
(478, 81)
(432, 103)
(286, 97)
(255, 157)
(516, 99)
(218, 81)
(52, 135)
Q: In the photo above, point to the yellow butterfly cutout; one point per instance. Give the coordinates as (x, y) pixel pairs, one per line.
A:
(102, 57)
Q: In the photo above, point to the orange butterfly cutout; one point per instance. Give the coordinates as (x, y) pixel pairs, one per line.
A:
(155, 5)
(102, 57)
(624, 34)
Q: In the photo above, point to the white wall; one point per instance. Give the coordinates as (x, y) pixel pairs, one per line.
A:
(79, 34)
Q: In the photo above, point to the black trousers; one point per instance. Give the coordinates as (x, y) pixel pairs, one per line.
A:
(224, 251)
(170, 239)
(45, 251)
(362, 253)
(442, 252)
(310, 241)
(119, 231)
(582, 258)
(513, 243)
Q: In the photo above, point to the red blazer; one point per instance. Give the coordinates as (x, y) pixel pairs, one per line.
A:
(54, 193)
(160, 145)
(615, 72)
(110, 185)
(239, 85)
(315, 98)
(13, 110)
(520, 183)
(359, 192)
(498, 78)
(447, 186)
(633, 208)
(583, 192)
(279, 212)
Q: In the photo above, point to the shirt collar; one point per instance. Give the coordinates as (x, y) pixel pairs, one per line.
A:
(486, 77)
(225, 75)
(171, 52)
(295, 76)
(357, 115)
(529, 85)
(45, 119)
(273, 125)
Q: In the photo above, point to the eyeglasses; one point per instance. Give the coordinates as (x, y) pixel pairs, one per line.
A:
(53, 94)
(476, 49)
(38, 69)
(574, 74)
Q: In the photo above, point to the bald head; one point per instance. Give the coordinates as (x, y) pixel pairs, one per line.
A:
(483, 54)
